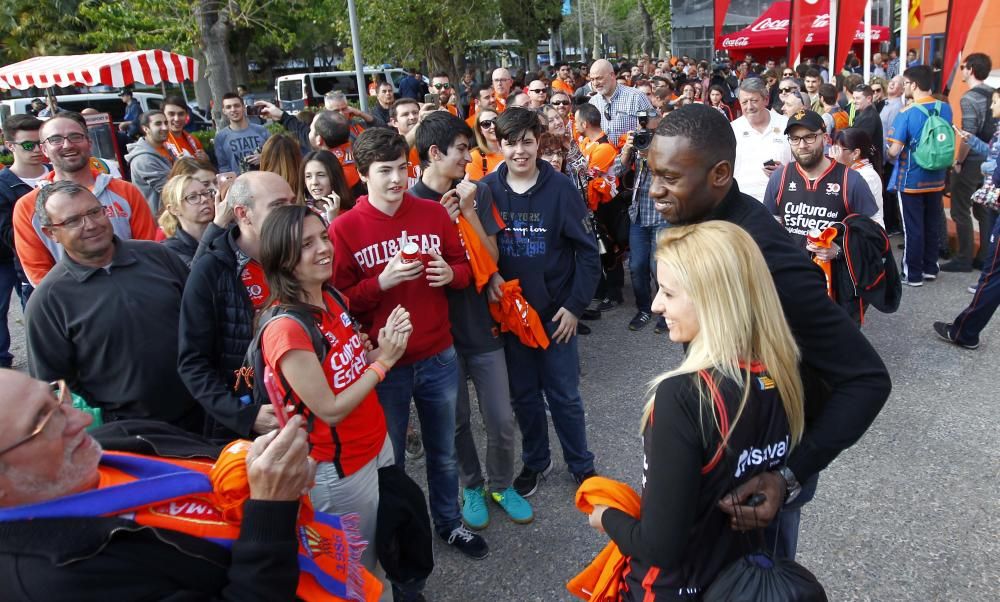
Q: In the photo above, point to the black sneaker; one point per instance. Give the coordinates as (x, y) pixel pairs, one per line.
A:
(526, 483)
(590, 314)
(956, 265)
(582, 328)
(640, 320)
(661, 325)
(471, 544)
(943, 330)
(608, 304)
(580, 477)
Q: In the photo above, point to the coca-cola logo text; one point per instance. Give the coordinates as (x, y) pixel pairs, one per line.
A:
(739, 42)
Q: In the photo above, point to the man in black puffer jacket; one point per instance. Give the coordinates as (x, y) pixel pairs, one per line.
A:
(225, 288)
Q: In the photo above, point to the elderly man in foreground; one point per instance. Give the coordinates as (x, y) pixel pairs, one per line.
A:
(81, 523)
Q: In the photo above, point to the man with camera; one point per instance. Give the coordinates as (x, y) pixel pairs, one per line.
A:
(645, 222)
(237, 146)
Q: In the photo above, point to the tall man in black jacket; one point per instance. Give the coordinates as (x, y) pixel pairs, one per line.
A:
(691, 160)
(224, 289)
(47, 455)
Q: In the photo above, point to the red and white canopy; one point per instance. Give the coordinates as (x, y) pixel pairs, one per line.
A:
(117, 69)
(771, 30)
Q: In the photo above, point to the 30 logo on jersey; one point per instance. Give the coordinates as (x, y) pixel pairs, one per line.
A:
(832, 188)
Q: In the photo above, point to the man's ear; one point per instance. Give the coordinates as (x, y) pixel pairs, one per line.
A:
(434, 153)
(50, 232)
(720, 174)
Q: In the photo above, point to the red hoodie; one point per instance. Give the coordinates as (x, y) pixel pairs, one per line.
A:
(365, 239)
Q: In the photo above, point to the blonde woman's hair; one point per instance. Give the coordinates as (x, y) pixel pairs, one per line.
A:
(172, 197)
(724, 274)
(481, 143)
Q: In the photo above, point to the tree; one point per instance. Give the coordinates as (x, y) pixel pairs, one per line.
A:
(530, 21)
(39, 27)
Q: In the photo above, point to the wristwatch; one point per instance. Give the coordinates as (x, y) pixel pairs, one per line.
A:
(792, 486)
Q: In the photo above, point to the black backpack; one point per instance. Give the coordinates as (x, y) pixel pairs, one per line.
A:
(253, 362)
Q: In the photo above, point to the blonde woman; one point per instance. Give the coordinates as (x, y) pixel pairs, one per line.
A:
(189, 207)
(731, 410)
(486, 155)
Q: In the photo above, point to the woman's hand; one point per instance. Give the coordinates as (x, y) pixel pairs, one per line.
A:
(391, 344)
(595, 517)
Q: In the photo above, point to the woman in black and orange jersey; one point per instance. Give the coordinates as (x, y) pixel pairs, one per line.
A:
(731, 410)
(336, 395)
(486, 156)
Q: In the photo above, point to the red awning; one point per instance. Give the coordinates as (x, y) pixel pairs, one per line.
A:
(115, 69)
(770, 30)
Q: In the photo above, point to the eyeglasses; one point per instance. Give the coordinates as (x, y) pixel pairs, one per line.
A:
(561, 103)
(876, 89)
(537, 91)
(200, 198)
(442, 86)
(501, 80)
(787, 90)
(77, 220)
(59, 140)
(28, 145)
(60, 392)
(788, 74)
(808, 139)
(486, 123)
(549, 155)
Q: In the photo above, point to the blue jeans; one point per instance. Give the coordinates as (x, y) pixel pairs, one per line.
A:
(9, 282)
(922, 221)
(641, 264)
(433, 385)
(556, 371)
(782, 535)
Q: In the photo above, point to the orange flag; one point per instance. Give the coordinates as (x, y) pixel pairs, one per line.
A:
(515, 315)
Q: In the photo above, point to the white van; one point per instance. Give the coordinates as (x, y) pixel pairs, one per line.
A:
(301, 90)
(108, 102)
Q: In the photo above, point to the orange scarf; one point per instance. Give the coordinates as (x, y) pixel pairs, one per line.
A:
(483, 264)
(601, 580)
(516, 315)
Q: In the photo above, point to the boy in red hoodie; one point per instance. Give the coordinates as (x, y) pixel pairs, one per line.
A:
(371, 271)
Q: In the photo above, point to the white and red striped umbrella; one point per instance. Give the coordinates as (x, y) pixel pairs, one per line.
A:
(117, 69)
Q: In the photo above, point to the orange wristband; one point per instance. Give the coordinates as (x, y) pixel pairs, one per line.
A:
(378, 369)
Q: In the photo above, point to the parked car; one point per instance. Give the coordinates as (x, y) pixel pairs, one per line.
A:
(302, 90)
(109, 103)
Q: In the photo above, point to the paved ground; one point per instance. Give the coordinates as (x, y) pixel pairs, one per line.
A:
(910, 513)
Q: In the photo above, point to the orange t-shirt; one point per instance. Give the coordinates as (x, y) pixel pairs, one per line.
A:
(482, 165)
(345, 155)
(413, 169)
(358, 438)
(182, 144)
(253, 279)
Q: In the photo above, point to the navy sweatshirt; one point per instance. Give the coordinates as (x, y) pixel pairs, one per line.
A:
(548, 243)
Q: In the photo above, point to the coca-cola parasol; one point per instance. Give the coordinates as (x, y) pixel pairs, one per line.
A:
(771, 30)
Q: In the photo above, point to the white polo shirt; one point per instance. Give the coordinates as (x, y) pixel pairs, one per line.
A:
(753, 148)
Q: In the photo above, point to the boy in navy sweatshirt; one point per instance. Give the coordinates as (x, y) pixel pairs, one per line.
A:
(549, 246)
(370, 270)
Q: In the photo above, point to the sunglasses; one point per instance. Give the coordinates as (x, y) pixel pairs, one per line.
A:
(538, 91)
(788, 74)
(28, 145)
(486, 123)
(561, 103)
(787, 90)
(442, 86)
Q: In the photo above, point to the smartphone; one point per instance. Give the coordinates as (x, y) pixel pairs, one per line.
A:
(433, 99)
(253, 110)
(770, 163)
(275, 396)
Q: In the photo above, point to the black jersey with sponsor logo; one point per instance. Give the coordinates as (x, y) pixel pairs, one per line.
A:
(682, 540)
(802, 204)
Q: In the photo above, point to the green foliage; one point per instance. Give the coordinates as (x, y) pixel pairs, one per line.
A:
(207, 139)
(530, 20)
(139, 24)
(37, 27)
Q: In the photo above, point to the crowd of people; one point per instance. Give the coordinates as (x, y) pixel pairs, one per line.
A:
(315, 284)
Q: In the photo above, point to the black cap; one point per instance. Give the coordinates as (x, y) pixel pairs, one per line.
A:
(125, 91)
(807, 119)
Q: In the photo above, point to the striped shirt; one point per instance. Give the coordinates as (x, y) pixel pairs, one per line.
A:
(618, 114)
